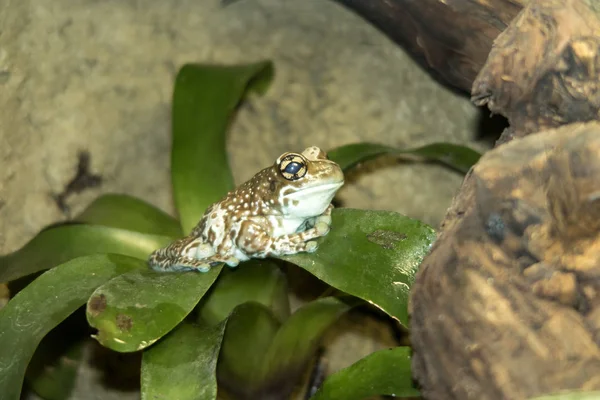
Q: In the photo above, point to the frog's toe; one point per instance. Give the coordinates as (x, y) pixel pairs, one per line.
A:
(311, 246)
(322, 228)
(202, 268)
(325, 219)
(232, 262)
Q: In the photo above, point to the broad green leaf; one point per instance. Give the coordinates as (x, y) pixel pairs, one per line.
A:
(297, 339)
(385, 372)
(57, 245)
(455, 156)
(183, 364)
(260, 356)
(134, 310)
(204, 100)
(373, 255)
(126, 212)
(259, 281)
(249, 333)
(570, 395)
(52, 371)
(45, 303)
(55, 381)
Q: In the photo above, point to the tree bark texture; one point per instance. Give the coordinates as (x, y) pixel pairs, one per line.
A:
(507, 303)
(452, 38)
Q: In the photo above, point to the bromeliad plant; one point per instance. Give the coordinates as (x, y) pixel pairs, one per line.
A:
(183, 323)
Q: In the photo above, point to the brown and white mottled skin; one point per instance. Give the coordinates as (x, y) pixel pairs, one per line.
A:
(279, 211)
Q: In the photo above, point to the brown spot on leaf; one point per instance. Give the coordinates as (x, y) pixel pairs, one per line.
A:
(97, 305)
(386, 239)
(124, 322)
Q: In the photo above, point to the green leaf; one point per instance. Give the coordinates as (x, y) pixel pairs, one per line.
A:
(249, 333)
(259, 281)
(458, 157)
(55, 380)
(126, 212)
(134, 310)
(57, 245)
(260, 355)
(204, 100)
(297, 339)
(385, 372)
(45, 303)
(182, 365)
(373, 255)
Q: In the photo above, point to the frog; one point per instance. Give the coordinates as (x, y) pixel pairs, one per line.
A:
(280, 211)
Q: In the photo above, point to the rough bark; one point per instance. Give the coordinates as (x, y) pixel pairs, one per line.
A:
(450, 37)
(507, 304)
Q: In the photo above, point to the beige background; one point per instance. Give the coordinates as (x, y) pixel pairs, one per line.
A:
(98, 75)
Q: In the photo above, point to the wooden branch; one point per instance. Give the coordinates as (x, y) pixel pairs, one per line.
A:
(543, 71)
(507, 304)
(452, 38)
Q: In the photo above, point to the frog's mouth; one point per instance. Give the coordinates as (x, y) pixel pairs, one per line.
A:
(324, 188)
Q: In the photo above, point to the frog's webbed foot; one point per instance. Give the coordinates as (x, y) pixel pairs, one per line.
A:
(321, 222)
(325, 217)
(179, 264)
(298, 242)
(187, 254)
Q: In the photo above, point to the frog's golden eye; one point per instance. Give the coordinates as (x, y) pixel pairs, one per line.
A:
(292, 166)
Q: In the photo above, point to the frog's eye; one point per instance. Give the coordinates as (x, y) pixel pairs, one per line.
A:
(292, 166)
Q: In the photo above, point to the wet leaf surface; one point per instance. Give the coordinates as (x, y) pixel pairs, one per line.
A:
(134, 310)
(57, 245)
(455, 156)
(385, 372)
(45, 303)
(126, 212)
(261, 357)
(373, 255)
(183, 364)
(259, 281)
(204, 101)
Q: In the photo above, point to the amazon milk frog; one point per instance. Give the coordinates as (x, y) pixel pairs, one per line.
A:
(277, 212)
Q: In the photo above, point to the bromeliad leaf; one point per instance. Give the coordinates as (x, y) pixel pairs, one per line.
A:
(373, 255)
(385, 372)
(126, 212)
(455, 156)
(239, 368)
(259, 281)
(52, 372)
(279, 352)
(54, 246)
(204, 100)
(297, 339)
(29, 316)
(183, 364)
(134, 310)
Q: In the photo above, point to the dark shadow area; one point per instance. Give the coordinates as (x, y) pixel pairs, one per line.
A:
(489, 126)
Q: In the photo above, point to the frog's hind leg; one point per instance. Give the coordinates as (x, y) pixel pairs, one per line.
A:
(188, 254)
(161, 262)
(185, 254)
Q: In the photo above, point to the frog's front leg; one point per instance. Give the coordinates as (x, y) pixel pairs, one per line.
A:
(256, 241)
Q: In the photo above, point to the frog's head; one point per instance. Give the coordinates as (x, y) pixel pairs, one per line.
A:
(307, 182)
